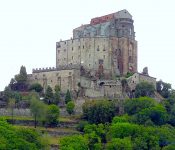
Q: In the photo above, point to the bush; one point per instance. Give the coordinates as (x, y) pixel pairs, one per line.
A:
(98, 111)
(23, 139)
(119, 144)
(120, 119)
(80, 127)
(157, 115)
(70, 107)
(75, 142)
(36, 87)
(133, 106)
(52, 115)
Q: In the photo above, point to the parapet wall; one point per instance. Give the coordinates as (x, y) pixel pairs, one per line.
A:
(49, 69)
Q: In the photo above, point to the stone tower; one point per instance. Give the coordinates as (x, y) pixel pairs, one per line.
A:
(107, 44)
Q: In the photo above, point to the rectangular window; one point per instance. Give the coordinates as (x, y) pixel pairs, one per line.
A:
(98, 49)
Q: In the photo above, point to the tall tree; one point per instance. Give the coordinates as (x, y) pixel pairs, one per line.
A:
(38, 109)
(22, 76)
(57, 94)
(68, 97)
(49, 97)
(163, 88)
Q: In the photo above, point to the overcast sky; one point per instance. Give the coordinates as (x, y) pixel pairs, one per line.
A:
(29, 30)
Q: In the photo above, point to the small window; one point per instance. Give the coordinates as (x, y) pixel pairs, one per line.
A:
(44, 75)
(89, 65)
(104, 56)
(72, 48)
(64, 50)
(72, 57)
(50, 80)
(64, 42)
(98, 49)
(78, 47)
(83, 46)
(58, 51)
(64, 58)
(72, 41)
(89, 55)
(70, 73)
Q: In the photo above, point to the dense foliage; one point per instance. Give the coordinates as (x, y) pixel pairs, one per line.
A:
(22, 138)
(98, 111)
(144, 89)
(76, 142)
(146, 124)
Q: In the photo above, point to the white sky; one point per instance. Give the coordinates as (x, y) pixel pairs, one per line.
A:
(29, 30)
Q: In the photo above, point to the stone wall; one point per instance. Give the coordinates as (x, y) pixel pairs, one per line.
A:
(64, 78)
(138, 77)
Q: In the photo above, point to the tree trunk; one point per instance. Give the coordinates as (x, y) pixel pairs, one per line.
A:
(35, 121)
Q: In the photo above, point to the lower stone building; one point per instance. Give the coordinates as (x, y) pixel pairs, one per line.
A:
(137, 78)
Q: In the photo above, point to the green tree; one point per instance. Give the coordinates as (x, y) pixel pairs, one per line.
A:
(11, 105)
(135, 105)
(52, 115)
(49, 97)
(38, 109)
(22, 76)
(163, 88)
(57, 94)
(156, 114)
(144, 89)
(36, 87)
(98, 111)
(70, 107)
(20, 138)
(68, 97)
(75, 142)
(119, 144)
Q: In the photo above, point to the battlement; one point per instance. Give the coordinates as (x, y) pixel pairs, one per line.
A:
(49, 69)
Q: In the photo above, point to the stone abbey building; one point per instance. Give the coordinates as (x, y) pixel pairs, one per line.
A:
(91, 60)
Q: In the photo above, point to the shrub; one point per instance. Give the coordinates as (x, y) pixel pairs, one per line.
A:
(52, 115)
(119, 144)
(133, 106)
(80, 127)
(75, 142)
(70, 107)
(98, 111)
(120, 119)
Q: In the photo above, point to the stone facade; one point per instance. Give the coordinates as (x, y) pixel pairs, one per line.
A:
(140, 77)
(108, 41)
(97, 53)
(66, 79)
